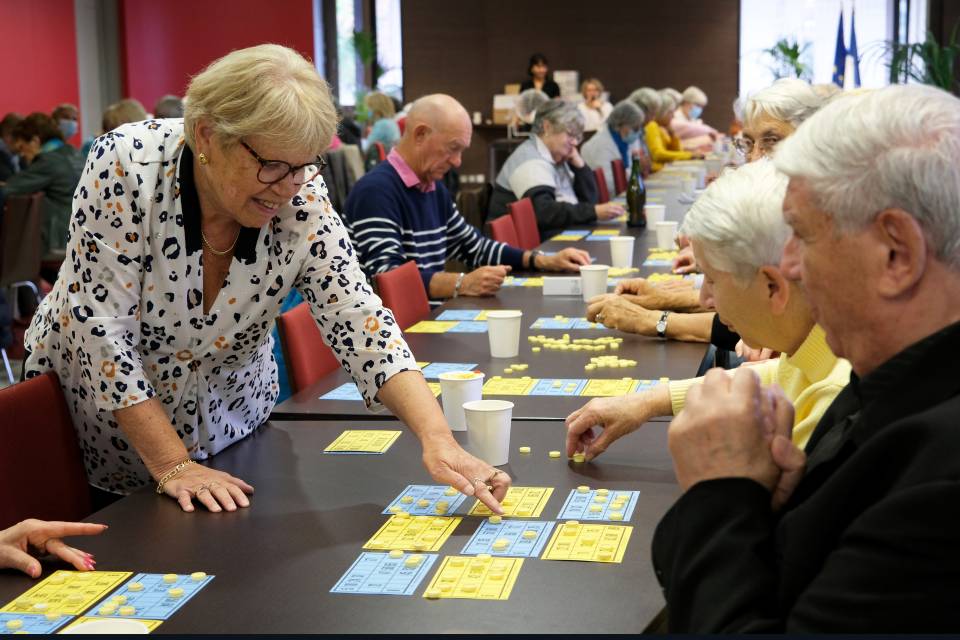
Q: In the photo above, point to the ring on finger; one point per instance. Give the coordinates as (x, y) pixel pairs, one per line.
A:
(493, 475)
(200, 489)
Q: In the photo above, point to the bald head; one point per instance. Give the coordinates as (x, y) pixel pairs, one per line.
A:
(437, 131)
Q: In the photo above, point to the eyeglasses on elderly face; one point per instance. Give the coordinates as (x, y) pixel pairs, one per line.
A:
(765, 145)
(274, 171)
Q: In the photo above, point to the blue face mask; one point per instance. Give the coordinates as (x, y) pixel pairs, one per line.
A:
(695, 112)
(68, 128)
(631, 137)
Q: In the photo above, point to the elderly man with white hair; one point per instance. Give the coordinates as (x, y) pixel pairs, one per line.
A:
(617, 139)
(686, 124)
(737, 231)
(858, 532)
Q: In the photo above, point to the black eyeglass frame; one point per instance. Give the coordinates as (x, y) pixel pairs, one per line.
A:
(320, 163)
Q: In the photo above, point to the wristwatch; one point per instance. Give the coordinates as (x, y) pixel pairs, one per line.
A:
(456, 287)
(662, 325)
(533, 259)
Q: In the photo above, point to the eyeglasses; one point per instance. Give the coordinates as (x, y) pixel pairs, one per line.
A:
(765, 145)
(274, 171)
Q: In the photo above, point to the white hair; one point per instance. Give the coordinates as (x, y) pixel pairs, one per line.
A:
(738, 221)
(673, 93)
(668, 102)
(897, 147)
(788, 100)
(562, 116)
(625, 114)
(647, 99)
(694, 95)
(528, 102)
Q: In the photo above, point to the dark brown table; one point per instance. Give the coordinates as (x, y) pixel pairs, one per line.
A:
(276, 561)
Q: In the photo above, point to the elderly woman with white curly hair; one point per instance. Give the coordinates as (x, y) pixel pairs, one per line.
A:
(738, 233)
(548, 169)
(186, 237)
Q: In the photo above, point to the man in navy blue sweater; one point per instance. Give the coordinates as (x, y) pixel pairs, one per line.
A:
(401, 211)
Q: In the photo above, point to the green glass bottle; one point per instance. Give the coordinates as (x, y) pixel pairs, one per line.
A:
(636, 198)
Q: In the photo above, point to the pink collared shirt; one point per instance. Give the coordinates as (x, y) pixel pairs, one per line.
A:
(409, 178)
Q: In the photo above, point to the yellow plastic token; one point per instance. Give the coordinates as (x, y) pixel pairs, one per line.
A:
(107, 610)
(14, 624)
(197, 576)
(135, 586)
(413, 561)
(579, 457)
(51, 615)
(75, 598)
(524, 449)
(56, 579)
(170, 577)
(468, 587)
(595, 508)
(500, 544)
(529, 534)
(402, 514)
(127, 610)
(41, 606)
(554, 454)
(535, 349)
(450, 492)
(121, 599)
(433, 593)
(583, 489)
(423, 503)
(406, 499)
(396, 553)
(599, 498)
(495, 519)
(175, 592)
(615, 515)
(602, 492)
(604, 555)
(483, 557)
(396, 509)
(508, 370)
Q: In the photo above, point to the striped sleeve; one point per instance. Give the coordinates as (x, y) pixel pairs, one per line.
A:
(379, 243)
(465, 243)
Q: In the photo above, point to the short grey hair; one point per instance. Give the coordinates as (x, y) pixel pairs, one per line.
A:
(562, 115)
(625, 114)
(528, 102)
(694, 95)
(738, 221)
(169, 106)
(668, 102)
(897, 147)
(675, 95)
(647, 99)
(787, 100)
(268, 90)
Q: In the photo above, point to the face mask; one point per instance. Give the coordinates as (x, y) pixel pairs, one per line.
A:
(632, 137)
(68, 128)
(695, 111)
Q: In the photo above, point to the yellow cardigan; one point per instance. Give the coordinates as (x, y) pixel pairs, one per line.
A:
(660, 142)
(811, 378)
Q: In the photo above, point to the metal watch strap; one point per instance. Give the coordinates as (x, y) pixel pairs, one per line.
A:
(662, 325)
(456, 287)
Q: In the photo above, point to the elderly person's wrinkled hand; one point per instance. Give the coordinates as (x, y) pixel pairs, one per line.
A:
(23, 542)
(685, 262)
(569, 259)
(608, 210)
(728, 429)
(448, 463)
(484, 281)
(216, 490)
(615, 312)
(614, 417)
(670, 295)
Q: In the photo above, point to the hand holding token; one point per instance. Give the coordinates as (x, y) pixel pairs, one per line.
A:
(615, 417)
(484, 281)
(448, 463)
(568, 259)
(39, 538)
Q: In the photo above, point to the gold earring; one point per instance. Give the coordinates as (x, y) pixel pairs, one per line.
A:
(202, 158)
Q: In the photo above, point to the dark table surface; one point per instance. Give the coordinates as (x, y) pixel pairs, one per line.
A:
(276, 561)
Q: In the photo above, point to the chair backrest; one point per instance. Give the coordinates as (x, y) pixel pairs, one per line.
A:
(381, 151)
(402, 292)
(402, 124)
(306, 357)
(619, 176)
(603, 194)
(21, 245)
(525, 220)
(41, 468)
(503, 230)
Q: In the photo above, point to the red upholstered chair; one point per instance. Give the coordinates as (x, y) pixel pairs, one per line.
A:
(305, 355)
(525, 220)
(619, 176)
(402, 124)
(41, 468)
(503, 230)
(382, 154)
(402, 292)
(603, 194)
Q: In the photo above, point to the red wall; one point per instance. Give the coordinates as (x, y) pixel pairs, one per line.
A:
(38, 47)
(164, 43)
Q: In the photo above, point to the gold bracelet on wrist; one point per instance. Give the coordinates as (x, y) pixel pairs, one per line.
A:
(173, 472)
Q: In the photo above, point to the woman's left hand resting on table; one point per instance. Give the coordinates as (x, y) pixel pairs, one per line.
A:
(23, 541)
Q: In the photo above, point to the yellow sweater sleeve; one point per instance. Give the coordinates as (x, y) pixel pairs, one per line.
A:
(658, 147)
(678, 388)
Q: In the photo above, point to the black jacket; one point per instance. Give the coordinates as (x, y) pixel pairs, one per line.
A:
(551, 88)
(870, 539)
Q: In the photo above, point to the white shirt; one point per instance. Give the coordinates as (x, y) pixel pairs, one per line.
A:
(125, 321)
(593, 119)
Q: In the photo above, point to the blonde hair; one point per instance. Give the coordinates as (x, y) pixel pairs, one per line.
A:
(589, 81)
(269, 91)
(127, 110)
(380, 105)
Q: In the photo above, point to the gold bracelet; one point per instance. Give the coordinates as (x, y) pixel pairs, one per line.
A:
(170, 474)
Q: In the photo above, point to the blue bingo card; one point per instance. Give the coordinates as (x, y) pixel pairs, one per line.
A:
(599, 237)
(583, 323)
(411, 500)
(645, 385)
(433, 370)
(346, 391)
(459, 314)
(34, 623)
(375, 572)
(582, 505)
(513, 532)
(151, 597)
(558, 387)
(468, 326)
(649, 262)
(575, 232)
(552, 323)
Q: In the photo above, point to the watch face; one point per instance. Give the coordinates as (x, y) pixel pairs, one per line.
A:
(662, 326)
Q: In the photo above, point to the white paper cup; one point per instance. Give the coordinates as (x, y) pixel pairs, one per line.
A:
(457, 387)
(666, 232)
(108, 626)
(593, 280)
(655, 213)
(621, 251)
(488, 429)
(689, 184)
(503, 329)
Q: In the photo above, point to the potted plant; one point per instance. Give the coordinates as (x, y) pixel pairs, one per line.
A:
(927, 62)
(786, 60)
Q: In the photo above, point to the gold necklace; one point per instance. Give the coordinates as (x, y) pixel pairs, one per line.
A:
(214, 251)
